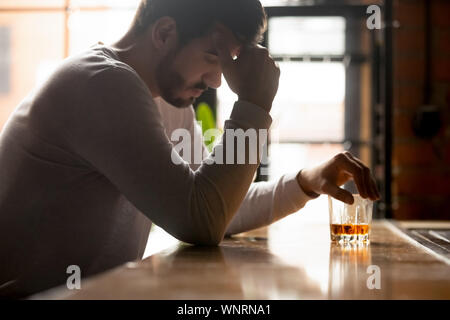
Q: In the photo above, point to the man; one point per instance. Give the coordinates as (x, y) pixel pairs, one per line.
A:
(86, 164)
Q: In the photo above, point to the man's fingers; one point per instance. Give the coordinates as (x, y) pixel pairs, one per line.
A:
(338, 193)
(356, 171)
(368, 178)
(364, 172)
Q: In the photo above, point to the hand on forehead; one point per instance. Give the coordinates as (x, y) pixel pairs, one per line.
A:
(226, 37)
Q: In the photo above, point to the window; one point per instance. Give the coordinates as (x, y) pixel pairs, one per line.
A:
(28, 53)
(306, 35)
(36, 35)
(308, 111)
(5, 44)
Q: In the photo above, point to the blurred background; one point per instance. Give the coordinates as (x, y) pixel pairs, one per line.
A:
(382, 94)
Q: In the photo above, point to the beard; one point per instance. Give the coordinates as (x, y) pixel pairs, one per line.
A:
(171, 83)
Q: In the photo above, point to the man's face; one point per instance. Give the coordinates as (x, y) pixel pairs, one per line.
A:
(186, 72)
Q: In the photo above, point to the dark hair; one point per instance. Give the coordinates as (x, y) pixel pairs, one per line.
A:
(195, 18)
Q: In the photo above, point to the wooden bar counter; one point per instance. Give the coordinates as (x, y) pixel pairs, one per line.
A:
(278, 263)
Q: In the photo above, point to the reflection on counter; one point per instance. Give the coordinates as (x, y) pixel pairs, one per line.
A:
(348, 275)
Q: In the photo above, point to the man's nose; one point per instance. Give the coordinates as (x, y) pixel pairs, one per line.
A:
(213, 79)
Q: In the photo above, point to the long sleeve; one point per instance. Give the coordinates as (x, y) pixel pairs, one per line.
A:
(268, 202)
(123, 138)
(265, 202)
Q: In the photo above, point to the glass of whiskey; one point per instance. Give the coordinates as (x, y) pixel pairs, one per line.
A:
(350, 223)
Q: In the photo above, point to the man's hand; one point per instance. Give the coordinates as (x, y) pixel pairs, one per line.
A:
(329, 176)
(253, 76)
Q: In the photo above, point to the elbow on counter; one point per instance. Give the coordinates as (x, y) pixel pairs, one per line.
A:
(206, 229)
(201, 237)
(206, 221)
(208, 216)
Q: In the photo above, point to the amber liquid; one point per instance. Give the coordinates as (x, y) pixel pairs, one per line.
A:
(349, 229)
(349, 232)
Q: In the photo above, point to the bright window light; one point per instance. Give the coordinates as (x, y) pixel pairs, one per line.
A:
(306, 35)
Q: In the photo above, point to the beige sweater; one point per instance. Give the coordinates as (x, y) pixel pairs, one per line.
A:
(85, 167)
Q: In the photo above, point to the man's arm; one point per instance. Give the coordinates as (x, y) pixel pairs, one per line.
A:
(122, 137)
(265, 202)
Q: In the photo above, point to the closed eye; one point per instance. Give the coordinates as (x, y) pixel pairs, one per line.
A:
(212, 57)
(212, 52)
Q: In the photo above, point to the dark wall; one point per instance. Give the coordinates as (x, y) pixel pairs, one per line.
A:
(421, 166)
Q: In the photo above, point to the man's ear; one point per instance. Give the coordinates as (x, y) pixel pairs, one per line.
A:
(164, 34)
